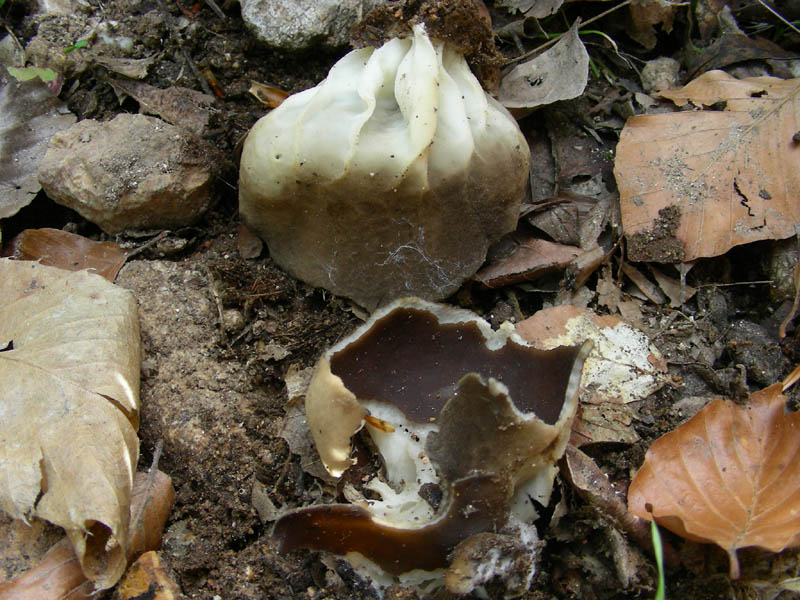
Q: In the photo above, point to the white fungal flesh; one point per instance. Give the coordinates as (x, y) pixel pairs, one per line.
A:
(407, 468)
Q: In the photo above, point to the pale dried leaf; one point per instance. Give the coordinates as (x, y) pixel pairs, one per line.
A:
(58, 576)
(623, 365)
(29, 116)
(727, 476)
(532, 8)
(135, 68)
(738, 94)
(695, 184)
(179, 106)
(560, 73)
(604, 423)
(69, 399)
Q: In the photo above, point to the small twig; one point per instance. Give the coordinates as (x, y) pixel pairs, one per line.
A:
(147, 245)
(151, 482)
(173, 34)
(213, 6)
(777, 14)
(214, 285)
(716, 285)
(156, 456)
(552, 41)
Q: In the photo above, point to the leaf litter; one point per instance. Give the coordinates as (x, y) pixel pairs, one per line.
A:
(230, 447)
(70, 403)
(696, 183)
(727, 476)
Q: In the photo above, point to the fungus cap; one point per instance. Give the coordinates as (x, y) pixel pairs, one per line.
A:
(391, 177)
(450, 405)
(476, 399)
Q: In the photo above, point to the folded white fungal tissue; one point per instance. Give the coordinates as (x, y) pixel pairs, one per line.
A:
(390, 178)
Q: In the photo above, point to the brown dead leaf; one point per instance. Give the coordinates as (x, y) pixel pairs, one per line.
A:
(593, 485)
(69, 399)
(695, 184)
(645, 15)
(58, 575)
(678, 292)
(647, 287)
(727, 476)
(179, 106)
(730, 48)
(268, 95)
(148, 578)
(529, 259)
(64, 250)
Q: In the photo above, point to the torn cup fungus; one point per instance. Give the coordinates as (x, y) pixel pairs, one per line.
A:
(390, 178)
(456, 410)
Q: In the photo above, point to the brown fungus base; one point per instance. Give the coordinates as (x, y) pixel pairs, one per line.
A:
(477, 504)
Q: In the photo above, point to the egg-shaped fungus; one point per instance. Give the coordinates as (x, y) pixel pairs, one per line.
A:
(453, 406)
(390, 178)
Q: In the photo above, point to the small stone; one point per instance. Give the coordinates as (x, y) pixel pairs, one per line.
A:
(133, 172)
(232, 320)
(660, 74)
(301, 24)
(751, 346)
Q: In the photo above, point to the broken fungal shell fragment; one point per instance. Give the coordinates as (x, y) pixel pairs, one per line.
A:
(450, 405)
(390, 178)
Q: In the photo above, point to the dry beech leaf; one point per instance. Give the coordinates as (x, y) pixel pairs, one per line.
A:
(64, 250)
(727, 476)
(69, 399)
(560, 73)
(59, 576)
(645, 15)
(623, 365)
(179, 106)
(529, 259)
(694, 184)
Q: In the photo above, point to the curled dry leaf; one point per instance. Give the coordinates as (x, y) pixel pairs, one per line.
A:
(560, 73)
(695, 184)
(69, 399)
(268, 95)
(59, 575)
(727, 476)
(645, 15)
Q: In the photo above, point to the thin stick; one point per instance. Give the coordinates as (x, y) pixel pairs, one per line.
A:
(552, 41)
(213, 6)
(777, 14)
